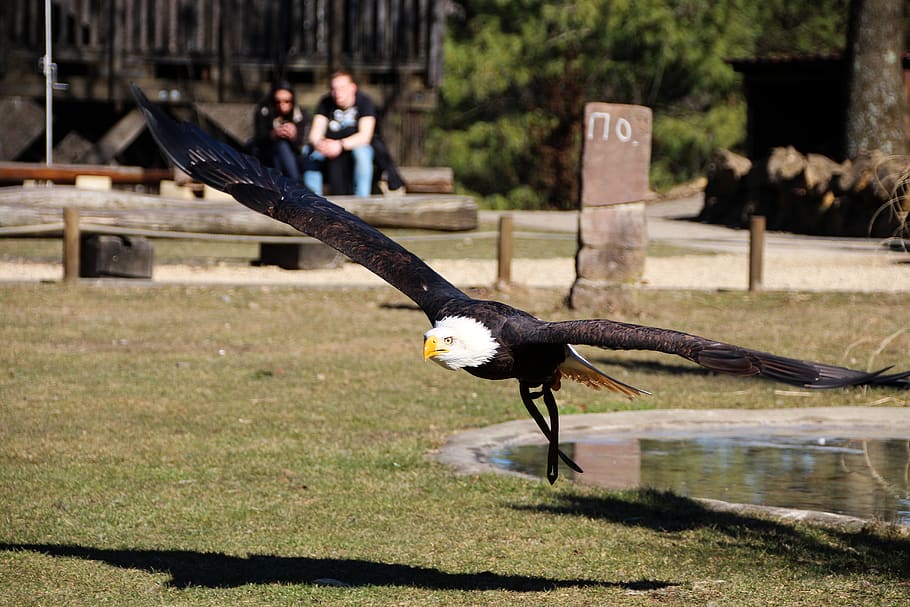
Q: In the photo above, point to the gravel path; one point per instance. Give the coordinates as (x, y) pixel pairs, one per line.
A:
(720, 262)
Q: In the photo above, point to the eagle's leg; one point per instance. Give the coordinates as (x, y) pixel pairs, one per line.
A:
(553, 451)
(528, 398)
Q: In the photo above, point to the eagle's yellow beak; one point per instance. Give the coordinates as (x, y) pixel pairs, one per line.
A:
(431, 348)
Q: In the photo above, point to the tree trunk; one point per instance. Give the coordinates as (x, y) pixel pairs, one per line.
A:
(876, 102)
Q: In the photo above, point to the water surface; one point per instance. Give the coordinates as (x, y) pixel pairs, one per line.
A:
(867, 478)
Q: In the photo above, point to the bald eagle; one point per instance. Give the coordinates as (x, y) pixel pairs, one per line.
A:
(488, 339)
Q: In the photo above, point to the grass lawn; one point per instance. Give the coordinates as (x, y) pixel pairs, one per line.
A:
(271, 446)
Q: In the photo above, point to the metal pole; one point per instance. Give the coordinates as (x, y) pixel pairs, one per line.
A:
(48, 88)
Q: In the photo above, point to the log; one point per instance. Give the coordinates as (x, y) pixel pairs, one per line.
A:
(428, 180)
(820, 172)
(881, 173)
(863, 197)
(29, 206)
(785, 165)
(725, 172)
(448, 212)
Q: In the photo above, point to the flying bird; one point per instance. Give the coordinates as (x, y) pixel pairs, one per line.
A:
(488, 339)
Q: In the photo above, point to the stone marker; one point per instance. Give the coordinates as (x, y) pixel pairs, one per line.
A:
(616, 158)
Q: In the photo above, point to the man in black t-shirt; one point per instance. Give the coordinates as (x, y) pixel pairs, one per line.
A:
(345, 121)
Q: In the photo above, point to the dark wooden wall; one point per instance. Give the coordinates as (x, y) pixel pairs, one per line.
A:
(229, 51)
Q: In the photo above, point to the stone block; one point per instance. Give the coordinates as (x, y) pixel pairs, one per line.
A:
(618, 265)
(102, 255)
(603, 296)
(299, 256)
(616, 155)
(620, 225)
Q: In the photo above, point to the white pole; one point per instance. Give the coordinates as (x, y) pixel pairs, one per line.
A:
(48, 88)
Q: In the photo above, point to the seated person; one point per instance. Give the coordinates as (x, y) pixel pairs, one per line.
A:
(343, 143)
(280, 129)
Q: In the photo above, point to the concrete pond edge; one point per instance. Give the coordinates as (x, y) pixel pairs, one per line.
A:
(472, 451)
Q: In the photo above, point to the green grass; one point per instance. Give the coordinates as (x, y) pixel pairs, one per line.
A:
(248, 446)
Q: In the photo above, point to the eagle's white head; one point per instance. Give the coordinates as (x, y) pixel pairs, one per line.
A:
(456, 342)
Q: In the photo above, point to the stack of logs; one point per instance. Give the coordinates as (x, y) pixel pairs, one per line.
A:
(811, 194)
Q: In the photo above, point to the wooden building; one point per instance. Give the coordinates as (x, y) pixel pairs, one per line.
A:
(211, 60)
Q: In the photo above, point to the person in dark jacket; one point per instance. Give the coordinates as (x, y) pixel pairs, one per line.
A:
(280, 126)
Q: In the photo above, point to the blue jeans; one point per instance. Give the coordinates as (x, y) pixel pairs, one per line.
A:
(363, 171)
(312, 170)
(285, 159)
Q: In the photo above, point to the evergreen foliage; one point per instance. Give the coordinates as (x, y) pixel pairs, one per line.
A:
(519, 73)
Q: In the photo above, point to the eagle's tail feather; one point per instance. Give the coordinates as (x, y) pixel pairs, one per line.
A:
(577, 369)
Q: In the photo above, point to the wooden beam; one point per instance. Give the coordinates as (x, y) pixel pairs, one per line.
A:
(120, 136)
(21, 122)
(17, 172)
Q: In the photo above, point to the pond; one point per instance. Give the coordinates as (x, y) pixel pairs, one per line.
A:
(852, 475)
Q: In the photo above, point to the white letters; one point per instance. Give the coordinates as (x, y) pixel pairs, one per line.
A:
(622, 130)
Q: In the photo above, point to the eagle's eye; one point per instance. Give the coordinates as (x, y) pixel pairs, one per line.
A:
(449, 340)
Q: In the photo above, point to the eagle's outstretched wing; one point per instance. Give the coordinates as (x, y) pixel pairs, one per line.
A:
(714, 355)
(272, 194)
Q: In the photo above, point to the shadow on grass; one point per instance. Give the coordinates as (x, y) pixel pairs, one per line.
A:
(212, 570)
(818, 547)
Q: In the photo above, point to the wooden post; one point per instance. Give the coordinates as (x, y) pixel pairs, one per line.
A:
(756, 252)
(70, 245)
(505, 245)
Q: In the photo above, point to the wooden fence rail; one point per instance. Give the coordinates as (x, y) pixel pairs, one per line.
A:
(71, 228)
